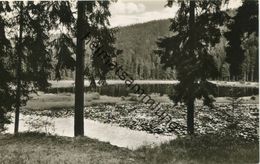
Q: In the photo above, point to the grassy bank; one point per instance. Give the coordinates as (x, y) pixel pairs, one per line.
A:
(38, 148)
(35, 148)
(66, 100)
(206, 149)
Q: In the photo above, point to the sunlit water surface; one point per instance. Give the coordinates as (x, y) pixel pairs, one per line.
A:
(115, 135)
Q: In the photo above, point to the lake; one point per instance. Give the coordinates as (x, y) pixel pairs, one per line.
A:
(115, 135)
(119, 89)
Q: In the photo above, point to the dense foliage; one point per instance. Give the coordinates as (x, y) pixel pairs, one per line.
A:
(242, 50)
(6, 93)
(95, 28)
(196, 30)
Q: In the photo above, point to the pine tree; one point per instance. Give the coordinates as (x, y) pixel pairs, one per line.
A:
(106, 39)
(250, 63)
(30, 59)
(31, 56)
(91, 24)
(7, 96)
(196, 30)
(245, 21)
(38, 45)
(19, 72)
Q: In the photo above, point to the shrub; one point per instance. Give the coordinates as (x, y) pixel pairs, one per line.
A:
(93, 96)
(133, 97)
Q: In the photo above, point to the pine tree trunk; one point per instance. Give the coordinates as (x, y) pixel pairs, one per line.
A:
(92, 84)
(190, 103)
(18, 72)
(192, 26)
(190, 117)
(79, 80)
(252, 74)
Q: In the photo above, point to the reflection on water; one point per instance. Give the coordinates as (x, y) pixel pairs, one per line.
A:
(118, 90)
(119, 136)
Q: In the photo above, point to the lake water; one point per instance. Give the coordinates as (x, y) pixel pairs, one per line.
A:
(118, 90)
(115, 135)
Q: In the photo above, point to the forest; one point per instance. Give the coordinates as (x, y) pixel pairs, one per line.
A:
(187, 91)
(138, 45)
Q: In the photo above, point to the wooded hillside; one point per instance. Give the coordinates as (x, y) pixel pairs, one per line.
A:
(138, 43)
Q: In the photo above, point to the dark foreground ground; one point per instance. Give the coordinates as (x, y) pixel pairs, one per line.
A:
(35, 148)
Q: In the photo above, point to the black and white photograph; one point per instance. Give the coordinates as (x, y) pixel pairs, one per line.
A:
(129, 82)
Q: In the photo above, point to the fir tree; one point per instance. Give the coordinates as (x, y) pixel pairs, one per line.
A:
(31, 55)
(7, 96)
(245, 21)
(196, 30)
(90, 23)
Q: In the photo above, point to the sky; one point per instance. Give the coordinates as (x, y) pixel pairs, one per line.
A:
(127, 12)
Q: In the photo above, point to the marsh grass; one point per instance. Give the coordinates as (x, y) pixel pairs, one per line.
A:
(66, 100)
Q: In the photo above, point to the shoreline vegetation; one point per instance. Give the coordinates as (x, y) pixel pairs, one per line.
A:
(70, 83)
(130, 113)
(42, 101)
